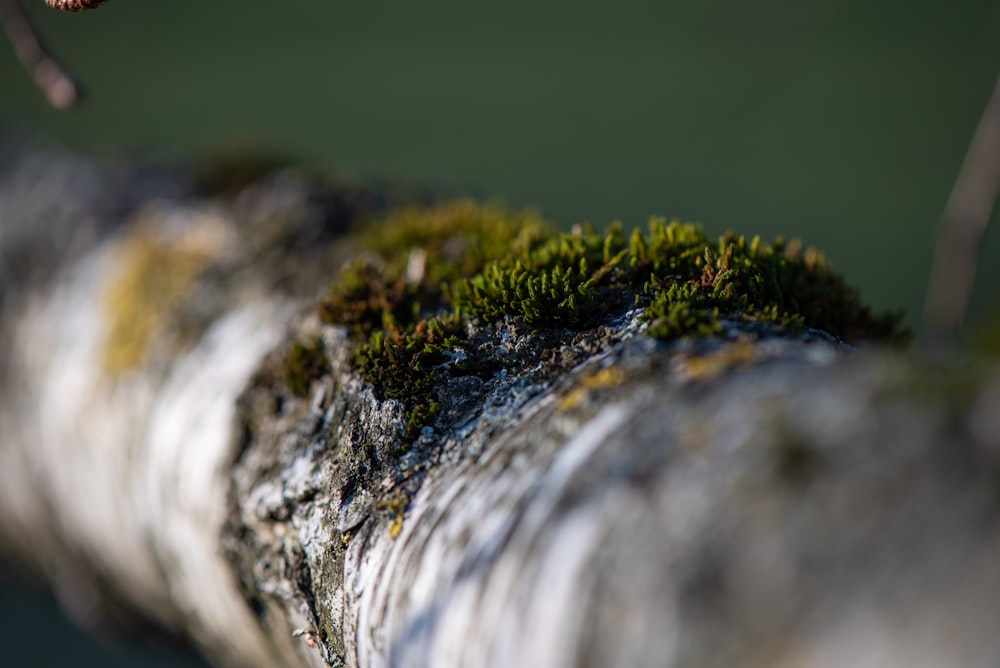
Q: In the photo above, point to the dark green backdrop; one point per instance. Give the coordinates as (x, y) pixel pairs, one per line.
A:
(842, 122)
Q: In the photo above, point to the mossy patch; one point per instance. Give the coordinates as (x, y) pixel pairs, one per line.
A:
(686, 281)
(304, 363)
(401, 364)
(432, 273)
(396, 300)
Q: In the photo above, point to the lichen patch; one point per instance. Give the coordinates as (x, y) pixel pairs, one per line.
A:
(156, 267)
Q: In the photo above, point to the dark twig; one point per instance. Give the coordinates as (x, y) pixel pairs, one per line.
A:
(965, 218)
(61, 90)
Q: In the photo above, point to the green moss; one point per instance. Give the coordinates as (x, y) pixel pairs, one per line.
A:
(396, 300)
(458, 238)
(403, 365)
(304, 363)
(415, 255)
(671, 319)
(562, 280)
(432, 270)
(686, 281)
(368, 297)
(740, 279)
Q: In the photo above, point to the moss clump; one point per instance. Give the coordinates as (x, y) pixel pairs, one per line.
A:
(304, 363)
(564, 279)
(458, 238)
(687, 282)
(671, 319)
(402, 365)
(431, 270)
(415, 255)
(736, 278)
(396, 300)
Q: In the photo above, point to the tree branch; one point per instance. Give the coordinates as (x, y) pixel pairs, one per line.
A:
(757, 497)
(965, 218)
(59, 87)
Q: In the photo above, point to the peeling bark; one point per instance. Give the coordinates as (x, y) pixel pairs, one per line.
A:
(757, 498)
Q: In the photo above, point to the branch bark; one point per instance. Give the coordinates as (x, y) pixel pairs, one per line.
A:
(60, 88)
(963, 223)
(754, 498)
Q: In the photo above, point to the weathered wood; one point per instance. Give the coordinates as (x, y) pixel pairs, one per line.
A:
(752, 499)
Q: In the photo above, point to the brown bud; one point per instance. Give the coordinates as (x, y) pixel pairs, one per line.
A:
(74, 5)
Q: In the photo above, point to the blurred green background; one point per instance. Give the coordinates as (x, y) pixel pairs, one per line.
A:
(843, 122)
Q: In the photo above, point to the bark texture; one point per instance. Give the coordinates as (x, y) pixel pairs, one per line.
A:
(754, 499)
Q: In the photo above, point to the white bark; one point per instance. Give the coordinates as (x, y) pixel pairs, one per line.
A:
(771, 502)
(128, 476)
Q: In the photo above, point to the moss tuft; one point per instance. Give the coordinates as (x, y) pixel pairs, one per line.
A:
(396, 300)
(697, 281)
(409, 303)
(563, 280)
(403, 365)
(304, 363)
(671, 319)
(686, 281)
(458, 238)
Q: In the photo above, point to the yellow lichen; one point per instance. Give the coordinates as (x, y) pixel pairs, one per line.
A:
(395, 506)
(606, 377)
(153, 270)
(718, 361)
(395, 526)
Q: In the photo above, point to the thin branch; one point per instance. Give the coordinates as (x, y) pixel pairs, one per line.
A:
(965, 218)
(59, 87)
